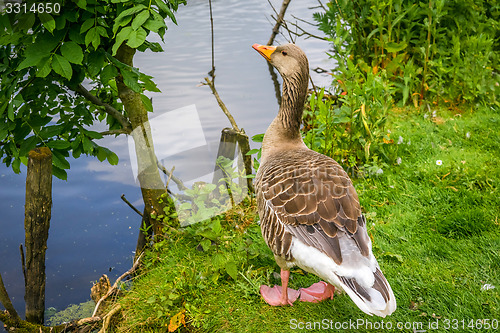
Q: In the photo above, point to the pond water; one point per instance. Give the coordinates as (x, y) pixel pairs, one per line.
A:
(92, 231)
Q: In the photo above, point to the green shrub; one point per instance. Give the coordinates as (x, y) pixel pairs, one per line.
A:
(437, 51)
(353, 131)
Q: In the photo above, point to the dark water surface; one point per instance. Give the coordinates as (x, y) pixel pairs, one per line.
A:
(92, 231)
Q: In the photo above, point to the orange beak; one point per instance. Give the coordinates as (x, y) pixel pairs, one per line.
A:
(264, 50)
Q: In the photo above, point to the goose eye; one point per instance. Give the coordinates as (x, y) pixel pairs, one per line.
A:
(283, 53)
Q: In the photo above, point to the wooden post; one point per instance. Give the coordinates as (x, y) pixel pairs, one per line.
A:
(227, 148)
(247, 159)
(36, 226)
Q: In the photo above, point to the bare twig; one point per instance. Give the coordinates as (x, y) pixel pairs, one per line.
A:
(115, 285)
(177, 181)
(5, 300)
(322, 6)
(170, 176)
(302, 20)
(212, 72)
(210, 83)
(279, 19)
(107, 108)
(303, 32)
(130, 205)
(313, 85)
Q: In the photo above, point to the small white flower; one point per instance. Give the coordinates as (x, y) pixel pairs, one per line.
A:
(425, 116)
(434, 114)
(398, 160)
(487, 286)
(389, 131)
(379, 172)
(439, 162)
(467, 135)
(400, 140)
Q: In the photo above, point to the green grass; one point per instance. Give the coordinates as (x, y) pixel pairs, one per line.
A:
(435, 233)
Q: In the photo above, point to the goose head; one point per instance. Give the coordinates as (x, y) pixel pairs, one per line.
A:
(288, 59)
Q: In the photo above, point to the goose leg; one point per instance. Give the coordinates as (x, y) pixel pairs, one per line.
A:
(317, 292)
(279, 296)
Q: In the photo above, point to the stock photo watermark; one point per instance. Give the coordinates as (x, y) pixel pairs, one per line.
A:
(389, 325)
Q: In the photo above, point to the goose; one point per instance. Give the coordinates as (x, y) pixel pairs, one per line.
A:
(309, 211)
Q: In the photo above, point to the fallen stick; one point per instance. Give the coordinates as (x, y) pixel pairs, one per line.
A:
(115, 285)
(107, 318)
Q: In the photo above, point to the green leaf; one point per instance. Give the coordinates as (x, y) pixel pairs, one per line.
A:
(216, 227)
(108, 73)
(58, 172)
(92, 134)
(136, 38)
(153, 46)
(231, 269)
(29, 62)
(252, 151)
(89, 23)
(122, 36)
(10, 112)
(58, 144)
(95, 63)
(16, 165)
(26, 22)
(39, 50)
(48, 21)
(164, 8)
(45, 67)
(62, 66)
(148, 83)
(50, 131)
(132, 10)
(82, 4)
(93, 37)
(59, 160)
(121, 23)
(102, 31)
(205, 244)
(101, 154)
(147, 102)
(88, 147)
(131, 80)
(395, 47)
(154, 24)
(258, 137)
(112, 157)
(140, 19)
(72, 52)
(27, 145)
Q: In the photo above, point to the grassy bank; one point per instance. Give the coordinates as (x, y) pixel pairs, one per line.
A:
(434, 223)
